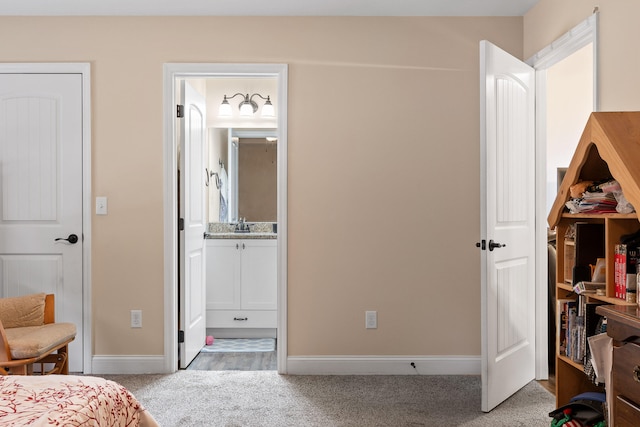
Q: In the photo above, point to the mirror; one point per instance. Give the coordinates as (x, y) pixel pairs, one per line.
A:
(243, 181)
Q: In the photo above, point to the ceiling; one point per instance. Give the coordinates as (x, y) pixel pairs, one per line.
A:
(266, 7)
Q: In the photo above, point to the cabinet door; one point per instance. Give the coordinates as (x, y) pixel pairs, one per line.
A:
(259, 275)
(223, 274)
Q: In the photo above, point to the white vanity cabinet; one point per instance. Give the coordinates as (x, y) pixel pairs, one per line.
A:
(241, 283)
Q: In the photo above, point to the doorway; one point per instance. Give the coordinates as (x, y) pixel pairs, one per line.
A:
(576, 48)
(174, 73)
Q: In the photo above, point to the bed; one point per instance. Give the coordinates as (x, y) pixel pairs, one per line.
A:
(68, 400)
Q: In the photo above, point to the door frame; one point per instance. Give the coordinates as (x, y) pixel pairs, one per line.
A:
(171, 72)
(573, 40)
(84, 69)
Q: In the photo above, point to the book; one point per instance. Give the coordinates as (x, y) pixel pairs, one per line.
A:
(562, 323)
(588, 287)
(625, 260)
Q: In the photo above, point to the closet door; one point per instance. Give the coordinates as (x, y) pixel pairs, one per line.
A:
(507, 224)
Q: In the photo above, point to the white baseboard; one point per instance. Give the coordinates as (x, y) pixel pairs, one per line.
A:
(112, 365)
(315, 365)
(383, 365)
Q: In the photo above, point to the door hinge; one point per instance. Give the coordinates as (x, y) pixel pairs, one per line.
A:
(482, 245)
(180, 336)
(180, 111)
(180, 224)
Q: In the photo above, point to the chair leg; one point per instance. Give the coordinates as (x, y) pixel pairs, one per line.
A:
(65, 363)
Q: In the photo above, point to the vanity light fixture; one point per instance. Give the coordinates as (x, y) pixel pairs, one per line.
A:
(248, 106)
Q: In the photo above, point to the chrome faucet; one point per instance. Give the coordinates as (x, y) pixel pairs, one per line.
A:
(242, 225)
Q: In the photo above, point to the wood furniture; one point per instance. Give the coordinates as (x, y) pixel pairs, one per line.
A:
(32, 336)
(609, 148)
(241, 283)
(623, 326)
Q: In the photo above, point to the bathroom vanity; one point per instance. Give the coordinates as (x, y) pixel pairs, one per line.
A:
(242, 284)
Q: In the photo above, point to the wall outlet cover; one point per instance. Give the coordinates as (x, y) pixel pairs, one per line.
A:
(371, 319)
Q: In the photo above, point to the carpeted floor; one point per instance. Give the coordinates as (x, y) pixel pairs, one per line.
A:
(264, 398)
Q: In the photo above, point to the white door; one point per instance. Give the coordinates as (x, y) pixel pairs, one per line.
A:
(41, 193)
(192, 211)
(507, 219)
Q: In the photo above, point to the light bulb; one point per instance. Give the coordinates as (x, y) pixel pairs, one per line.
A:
(268, 110)
(246, 109)
(225, 109)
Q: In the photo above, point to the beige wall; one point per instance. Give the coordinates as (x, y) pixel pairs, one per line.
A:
(619, 62)
(569, 104)
(383, 169)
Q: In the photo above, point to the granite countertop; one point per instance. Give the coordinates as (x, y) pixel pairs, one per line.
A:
(259, 230)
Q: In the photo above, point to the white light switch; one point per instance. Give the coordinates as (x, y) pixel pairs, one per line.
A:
(101, 205)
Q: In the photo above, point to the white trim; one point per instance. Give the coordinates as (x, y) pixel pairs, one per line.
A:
(568, 43)
(189, 70)
(578, 37)
(83, 68)
(384, 365)
(104, 365)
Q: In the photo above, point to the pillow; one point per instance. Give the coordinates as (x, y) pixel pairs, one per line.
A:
(27, 310)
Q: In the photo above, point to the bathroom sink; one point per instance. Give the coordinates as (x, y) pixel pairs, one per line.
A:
(242, 231)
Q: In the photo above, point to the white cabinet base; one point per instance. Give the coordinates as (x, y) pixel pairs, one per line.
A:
(242, 284)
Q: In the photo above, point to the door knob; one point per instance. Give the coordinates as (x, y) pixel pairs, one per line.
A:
(73, 238)
(493, 245)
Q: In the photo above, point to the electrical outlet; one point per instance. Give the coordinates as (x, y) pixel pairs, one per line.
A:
(371, 319)
(136, 318)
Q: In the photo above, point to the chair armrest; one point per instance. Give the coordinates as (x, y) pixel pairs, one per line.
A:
(5, 351)
(49, 309)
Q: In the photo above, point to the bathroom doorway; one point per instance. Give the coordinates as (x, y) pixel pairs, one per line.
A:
(174, 74)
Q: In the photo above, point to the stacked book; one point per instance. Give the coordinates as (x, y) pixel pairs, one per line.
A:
(577, 321)
(625, 261)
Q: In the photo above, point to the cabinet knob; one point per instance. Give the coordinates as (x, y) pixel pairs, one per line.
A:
(636, 374)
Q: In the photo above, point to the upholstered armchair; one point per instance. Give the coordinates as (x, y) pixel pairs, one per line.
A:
(29, 335)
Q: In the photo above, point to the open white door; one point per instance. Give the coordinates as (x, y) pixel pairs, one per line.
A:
(507, 93)
(192, 213)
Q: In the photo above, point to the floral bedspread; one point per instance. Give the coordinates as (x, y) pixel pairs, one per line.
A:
(68, 400)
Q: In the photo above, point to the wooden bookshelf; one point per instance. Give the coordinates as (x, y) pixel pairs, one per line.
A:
(607, 149)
